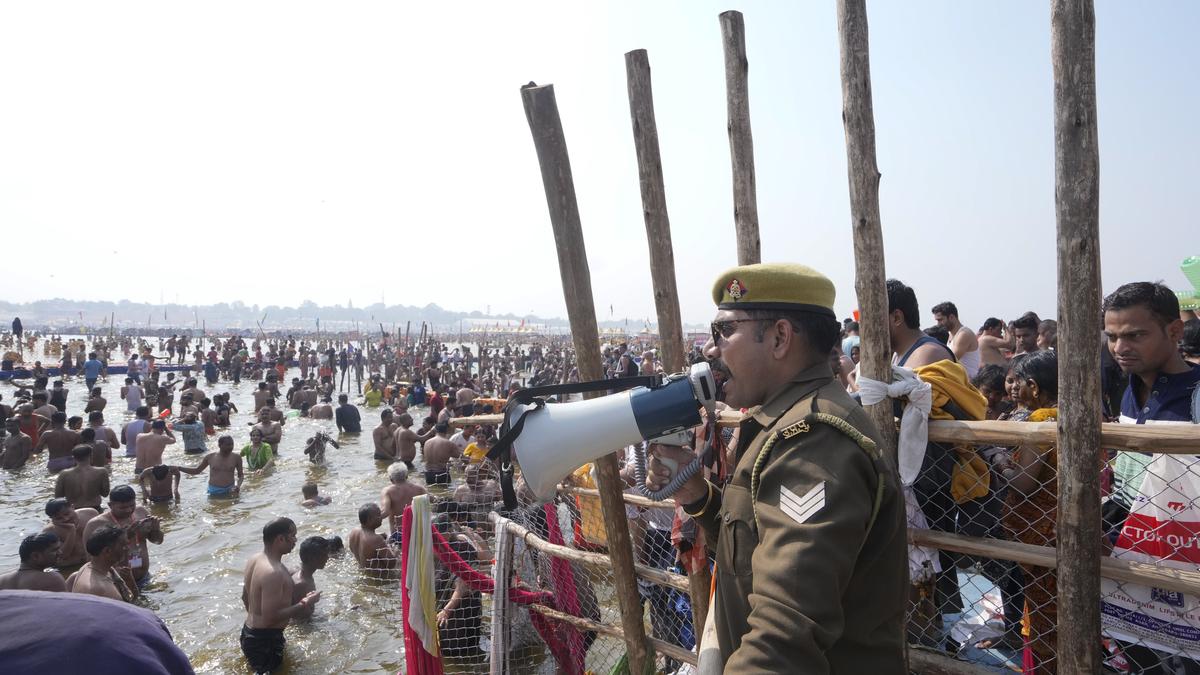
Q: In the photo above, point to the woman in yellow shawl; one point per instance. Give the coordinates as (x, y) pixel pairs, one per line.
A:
(1032, 508)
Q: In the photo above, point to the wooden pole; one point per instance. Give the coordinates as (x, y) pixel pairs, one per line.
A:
(741, 141)
(662, 257)
(1077, 212)
(870, 285)
(541, 109)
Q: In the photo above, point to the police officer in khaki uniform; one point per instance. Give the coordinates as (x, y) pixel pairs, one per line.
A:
(809, 532)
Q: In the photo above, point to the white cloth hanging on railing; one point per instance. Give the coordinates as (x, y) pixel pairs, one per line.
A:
(422, 613)
(501, 604)
(910, 449)
(914, 422)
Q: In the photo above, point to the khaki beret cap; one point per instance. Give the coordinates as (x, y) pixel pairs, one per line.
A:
(779, 286)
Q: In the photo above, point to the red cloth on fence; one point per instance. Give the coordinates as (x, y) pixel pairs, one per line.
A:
(548, 629)
(416, 658)
(567, 594)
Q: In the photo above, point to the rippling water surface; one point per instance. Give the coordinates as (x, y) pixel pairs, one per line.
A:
(197, 571)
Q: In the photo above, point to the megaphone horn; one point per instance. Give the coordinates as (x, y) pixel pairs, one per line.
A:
(556, 438)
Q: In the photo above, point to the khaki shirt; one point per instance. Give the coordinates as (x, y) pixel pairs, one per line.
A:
(812, 570)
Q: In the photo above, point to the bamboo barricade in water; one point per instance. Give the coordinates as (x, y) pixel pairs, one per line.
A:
(541, 110)
(662, 256)
(741, 140)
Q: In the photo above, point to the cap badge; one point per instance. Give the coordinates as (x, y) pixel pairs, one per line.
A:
(736, 289)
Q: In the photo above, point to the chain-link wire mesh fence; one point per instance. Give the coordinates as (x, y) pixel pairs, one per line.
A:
(980, 605)
(560, 548)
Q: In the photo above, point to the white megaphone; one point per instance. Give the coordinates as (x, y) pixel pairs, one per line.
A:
(558, 438)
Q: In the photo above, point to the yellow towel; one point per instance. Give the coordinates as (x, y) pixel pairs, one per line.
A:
(971, 478)
(949, 383)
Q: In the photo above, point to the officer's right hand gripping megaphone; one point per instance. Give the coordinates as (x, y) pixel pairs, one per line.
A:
(550, 440)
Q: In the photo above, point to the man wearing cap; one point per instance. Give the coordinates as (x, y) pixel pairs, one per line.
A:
(809, 530)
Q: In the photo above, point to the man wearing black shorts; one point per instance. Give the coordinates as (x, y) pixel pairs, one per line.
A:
(267, 595)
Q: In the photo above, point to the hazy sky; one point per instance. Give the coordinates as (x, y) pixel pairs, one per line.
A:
(273, 152)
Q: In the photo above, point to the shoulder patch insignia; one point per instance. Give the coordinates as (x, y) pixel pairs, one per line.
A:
(798, 508)
(796, 429)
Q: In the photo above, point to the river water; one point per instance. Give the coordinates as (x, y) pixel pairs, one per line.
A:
(197, 571)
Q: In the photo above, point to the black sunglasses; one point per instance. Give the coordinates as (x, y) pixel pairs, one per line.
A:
(725, 329)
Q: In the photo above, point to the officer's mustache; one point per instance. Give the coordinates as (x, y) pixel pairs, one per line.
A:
(719, 368)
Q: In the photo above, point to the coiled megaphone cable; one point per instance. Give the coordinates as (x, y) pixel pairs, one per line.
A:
(677, 481)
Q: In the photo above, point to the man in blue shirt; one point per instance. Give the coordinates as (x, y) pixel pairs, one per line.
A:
(91, 370)
(1143, 328)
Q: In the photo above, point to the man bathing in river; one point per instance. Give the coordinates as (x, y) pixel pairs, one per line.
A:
(405, 440)
(370, 549)
(270, 430)
(151, 445)
(136, 522)
(438, 451)
(384, 437)
(38, 551)
(314, 553)
(68, 525)
(17, 446)
(312, 496)
(267, 589)
(107, 547)
(164, 484)
(395, 497)
(82, 484)
(222, 465)
(59, 441)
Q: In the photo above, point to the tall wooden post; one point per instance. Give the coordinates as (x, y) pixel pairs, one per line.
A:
(541, 109)
(1077, 211)
(870, 279)
(741, 141)
(662, 257)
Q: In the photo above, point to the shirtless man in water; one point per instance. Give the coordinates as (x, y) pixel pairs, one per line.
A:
(438, 451)
(370, 549)
(222, 466)
(108, 547)
(272, 431)
(59, 440)
(150, 446)
(68, 525)
(17, 446)
(136, 522)
(395, 497)
(38, 551)
(322, 410)
(314, 553)
(267, 589)
(384, 437)
(82, 484)
(405, 440)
